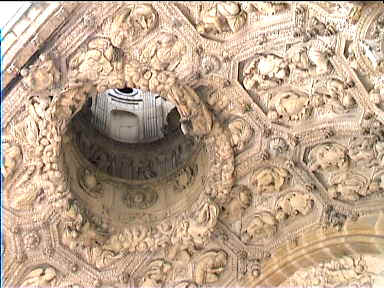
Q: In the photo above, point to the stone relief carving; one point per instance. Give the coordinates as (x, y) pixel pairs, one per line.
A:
(289, 106)
(223, 17)
(348, 186)
(241, 198)
(35, 173)
(140, 199)
(328, 157)
(11, 159)
(132, 22)
(89, 183)
(156, 274)
(210, 267)
(41, 277)
(164, 54)
(242, 133)
(262, 224)
(346, 271)
(292, 204)
(42, 77)
(269, 180)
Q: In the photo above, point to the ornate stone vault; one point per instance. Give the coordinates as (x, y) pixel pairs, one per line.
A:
(273, 174)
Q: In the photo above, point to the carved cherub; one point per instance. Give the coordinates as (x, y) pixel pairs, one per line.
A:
(268, 180)
(210, 267)
(328, 157)
(242, 133)
(289, 105)
(223, 17)
(40, 277)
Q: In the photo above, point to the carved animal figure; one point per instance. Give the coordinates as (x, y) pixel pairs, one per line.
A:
(224, 16)
(210, 267)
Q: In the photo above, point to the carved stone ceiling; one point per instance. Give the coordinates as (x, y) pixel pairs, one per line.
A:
(274, 173)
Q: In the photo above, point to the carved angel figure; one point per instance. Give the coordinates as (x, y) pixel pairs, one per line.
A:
(156, 274)
(223, 17)
(265, 71)
(210, 267)
(348, 186)
(268, 180)
(40, 277)
(242, 133)
(131, 23)
(240, 201)
(262, 224)
(11, 159)
(328, 157)
(164, 54)
(292, 204)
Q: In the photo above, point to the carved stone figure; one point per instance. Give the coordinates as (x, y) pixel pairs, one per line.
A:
(223, 17)
(164, 54)
(210, 267)
(40, 277)
(240, 201)
(88, 182)
(306, 61)
(289, 105)
(363, 150)
(194, 234)
(41, 77)
(263, 224)
(156, 274)
(101, 63)
(132, 22)
(348, 186)
(195, 120)
(242, 133)
(316, 27)
(268, 180)
(265, 71)
(292, 204)
(328, 157)
(11, 159)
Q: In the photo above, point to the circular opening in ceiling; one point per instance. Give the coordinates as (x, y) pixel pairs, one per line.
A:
(126, 90)
(134, 136)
